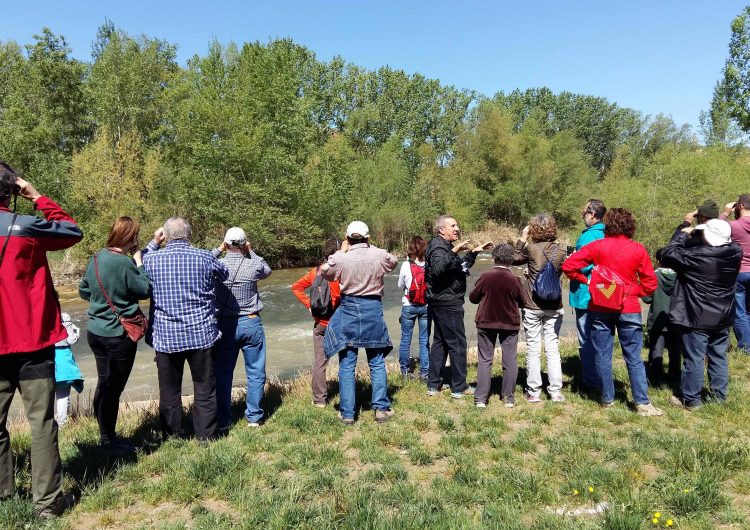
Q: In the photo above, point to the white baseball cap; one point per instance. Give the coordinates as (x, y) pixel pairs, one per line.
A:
(716, 232)
(357, 230)
(235, 235)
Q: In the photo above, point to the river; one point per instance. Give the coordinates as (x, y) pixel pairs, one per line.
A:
(288, 329)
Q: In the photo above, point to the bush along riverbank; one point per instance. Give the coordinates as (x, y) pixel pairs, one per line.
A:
(440, 463)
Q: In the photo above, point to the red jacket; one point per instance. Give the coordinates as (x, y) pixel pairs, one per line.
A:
(299, 287)
(29, 310)
(623, 256)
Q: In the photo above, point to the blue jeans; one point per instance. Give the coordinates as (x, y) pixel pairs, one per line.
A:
(601, 328)
(742, 315)
(589, 371)
(410, 314)
(246, 334)
(697, 346)
(347, 366)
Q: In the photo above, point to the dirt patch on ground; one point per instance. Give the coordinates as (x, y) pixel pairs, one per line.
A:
(137, 514)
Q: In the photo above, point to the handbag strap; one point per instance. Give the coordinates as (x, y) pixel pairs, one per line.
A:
(7, 238)
(101, 287)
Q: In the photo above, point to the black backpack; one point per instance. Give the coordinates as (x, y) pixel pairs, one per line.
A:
(320, 298)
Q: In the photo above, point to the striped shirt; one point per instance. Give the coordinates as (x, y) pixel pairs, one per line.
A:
(238, 295)
(183, 279)
(359, 271)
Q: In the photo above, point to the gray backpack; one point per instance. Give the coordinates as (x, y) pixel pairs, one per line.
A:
(321, 305)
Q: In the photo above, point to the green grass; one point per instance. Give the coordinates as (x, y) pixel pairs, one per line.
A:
(440, 463)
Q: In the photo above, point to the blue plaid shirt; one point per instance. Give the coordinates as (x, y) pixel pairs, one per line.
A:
(183, 280)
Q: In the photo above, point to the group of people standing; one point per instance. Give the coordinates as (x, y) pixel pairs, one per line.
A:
(205, 309)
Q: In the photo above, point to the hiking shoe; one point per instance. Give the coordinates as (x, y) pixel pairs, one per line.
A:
(382, 416)
(509, 402)
(319, 405)
(531, 398)
(557, 397)
(607, 404)
(648, 410)
(677, 402)
(348, 422)
(116, 447)
(480, 405)
(469, 391)
(58, 507)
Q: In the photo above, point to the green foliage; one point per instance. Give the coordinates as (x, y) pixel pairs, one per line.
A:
(735, 85)
(268, 137)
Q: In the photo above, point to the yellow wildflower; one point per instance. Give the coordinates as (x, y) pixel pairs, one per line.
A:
(669, 522)
(575, 492)
(591, 489)
(657, 515)
(655, 520)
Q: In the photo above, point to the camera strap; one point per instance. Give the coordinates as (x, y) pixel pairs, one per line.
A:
(7, 237)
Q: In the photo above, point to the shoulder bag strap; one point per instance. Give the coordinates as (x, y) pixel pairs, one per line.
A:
(7, 237)
(101, 287)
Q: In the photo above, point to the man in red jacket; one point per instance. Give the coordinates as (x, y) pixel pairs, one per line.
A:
(30, 325)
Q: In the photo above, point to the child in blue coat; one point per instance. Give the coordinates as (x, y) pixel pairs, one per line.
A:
(67, 373)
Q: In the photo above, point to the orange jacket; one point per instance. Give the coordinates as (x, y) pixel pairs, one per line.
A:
(299, 289)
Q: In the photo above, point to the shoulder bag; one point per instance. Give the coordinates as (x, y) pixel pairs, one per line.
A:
(137, 325)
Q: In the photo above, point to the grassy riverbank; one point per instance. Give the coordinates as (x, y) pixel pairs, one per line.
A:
(439, 464)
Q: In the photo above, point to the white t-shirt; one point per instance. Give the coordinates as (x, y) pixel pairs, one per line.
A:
(404, 279)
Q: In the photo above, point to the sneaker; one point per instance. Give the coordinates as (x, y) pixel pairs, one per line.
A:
(509, 402)
(319, 405)
(677, 402)
(348, 422)
(468, 392)
(58, 507)
(557, 397)
(382, 416)
(433, 391)
(648, 410)
(253, 424)
(531, 398)
(480, 405)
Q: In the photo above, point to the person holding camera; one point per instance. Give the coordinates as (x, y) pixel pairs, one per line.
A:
(184, 327)
(741, 236)
(113, 284)
(445, 274)
(30, 325)
(238, 309)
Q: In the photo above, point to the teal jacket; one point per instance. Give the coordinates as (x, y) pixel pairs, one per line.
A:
(579, 292)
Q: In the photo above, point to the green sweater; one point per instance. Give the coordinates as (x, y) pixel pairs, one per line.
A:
(125, 284)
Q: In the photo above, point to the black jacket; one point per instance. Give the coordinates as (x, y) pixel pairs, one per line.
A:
(703, 296)
(445, 273)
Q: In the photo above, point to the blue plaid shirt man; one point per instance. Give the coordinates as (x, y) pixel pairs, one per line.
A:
(183, 305)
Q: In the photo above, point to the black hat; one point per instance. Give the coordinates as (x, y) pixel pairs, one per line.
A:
(709, 209)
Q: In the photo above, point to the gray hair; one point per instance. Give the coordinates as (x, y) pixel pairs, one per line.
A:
(439, 222)
(177, 228)
(503, 254)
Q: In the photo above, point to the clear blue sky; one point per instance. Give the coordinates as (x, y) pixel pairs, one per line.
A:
(654, 56)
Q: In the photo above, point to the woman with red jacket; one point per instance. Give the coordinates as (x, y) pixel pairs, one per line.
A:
(630, 261)
(320, 363)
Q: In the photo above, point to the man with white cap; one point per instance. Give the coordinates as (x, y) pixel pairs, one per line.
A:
(358, 322)
(238, 308)
(702, 307)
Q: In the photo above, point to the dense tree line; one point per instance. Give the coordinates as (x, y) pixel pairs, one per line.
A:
(268, 137)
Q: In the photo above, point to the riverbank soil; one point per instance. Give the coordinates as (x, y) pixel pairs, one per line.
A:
(439, 463)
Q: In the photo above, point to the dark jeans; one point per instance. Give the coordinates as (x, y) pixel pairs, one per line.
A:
(699, 345)
(114, 360)
(658, 340)
(589, 371)
(742, 312)
(449, 340)
(170, 367)
(486, 339)
(33, 375)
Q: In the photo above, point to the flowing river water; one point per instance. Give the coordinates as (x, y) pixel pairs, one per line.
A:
(288, 328)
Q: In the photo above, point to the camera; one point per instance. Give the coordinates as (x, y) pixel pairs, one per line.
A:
(569, 250)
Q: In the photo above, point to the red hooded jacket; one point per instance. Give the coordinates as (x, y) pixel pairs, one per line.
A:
(623, 256)
(29, 311)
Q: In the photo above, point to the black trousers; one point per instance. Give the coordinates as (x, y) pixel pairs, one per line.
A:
(170, 367)
(448, 340)
(114, 361)
(658, 340)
